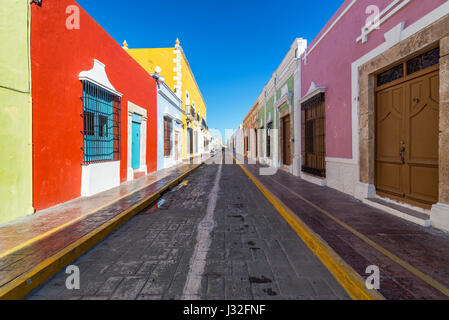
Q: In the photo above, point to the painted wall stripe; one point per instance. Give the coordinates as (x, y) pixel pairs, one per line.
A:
(203, 240)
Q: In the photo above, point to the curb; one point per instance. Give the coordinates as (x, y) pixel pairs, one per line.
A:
(21, 286)
(347, 277)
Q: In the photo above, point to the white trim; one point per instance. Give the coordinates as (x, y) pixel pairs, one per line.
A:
(97, 75)
(313, 179)
(309, 51)
(439, 216)
(313, 91)
(173, 118)
(383, 17)
(341, 160)
(135, 109)
(284, 99)
(99, 177)
(392, 37)
(404, 205)
(171, 97)
(397, 213)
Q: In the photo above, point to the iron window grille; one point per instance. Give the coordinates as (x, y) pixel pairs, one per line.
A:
(390, 75)
(101, 124)
(423, 61)
(409, 67)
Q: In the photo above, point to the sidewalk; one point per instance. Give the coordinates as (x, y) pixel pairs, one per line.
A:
(413, 260)
(35, 247)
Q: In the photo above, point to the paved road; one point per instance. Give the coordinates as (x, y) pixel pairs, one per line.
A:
(215, 236)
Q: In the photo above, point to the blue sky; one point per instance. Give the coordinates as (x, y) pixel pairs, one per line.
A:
(233, 46)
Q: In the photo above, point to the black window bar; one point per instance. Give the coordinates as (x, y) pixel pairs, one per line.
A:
(101, 124)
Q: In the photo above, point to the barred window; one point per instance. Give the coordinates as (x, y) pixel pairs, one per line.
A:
(167, 136)
(101, 124)
(89, 123)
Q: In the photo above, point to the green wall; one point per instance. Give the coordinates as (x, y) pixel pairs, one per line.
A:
(269, 108)
(15, 112)
(291, 87)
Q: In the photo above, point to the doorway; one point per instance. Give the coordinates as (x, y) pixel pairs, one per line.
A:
(407, 134)
(176, 145)
(135, 154)
(286, 141)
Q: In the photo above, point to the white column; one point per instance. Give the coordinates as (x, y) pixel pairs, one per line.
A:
(297, 120)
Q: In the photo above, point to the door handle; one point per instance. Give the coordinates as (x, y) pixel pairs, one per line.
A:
(401, 152)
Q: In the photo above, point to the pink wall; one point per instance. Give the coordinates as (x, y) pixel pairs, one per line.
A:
(329, 64)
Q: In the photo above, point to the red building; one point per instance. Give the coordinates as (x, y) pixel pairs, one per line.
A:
(87, 93)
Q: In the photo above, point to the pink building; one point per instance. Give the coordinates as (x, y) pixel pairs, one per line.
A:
(375, 104)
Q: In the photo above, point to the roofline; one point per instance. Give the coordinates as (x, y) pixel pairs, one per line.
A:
(254, 107)
(193, 76)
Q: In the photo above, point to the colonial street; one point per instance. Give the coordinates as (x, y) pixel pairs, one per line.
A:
(202, 243)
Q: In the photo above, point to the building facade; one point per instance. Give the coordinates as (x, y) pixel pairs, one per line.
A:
(169, 123)
(370, 101)
(179, 77)
(94, 109)
(250, 133)
(277, 139)
(15, 112)
(374, 117)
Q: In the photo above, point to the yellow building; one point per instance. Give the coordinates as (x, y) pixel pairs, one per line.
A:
(179, 77)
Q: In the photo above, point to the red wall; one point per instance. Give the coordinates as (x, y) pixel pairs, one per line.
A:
(58, 55)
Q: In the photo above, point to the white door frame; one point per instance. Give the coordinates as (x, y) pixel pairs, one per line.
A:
(133, 108)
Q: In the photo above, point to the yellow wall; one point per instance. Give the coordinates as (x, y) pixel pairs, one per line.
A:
(189, 84)
(164, 58)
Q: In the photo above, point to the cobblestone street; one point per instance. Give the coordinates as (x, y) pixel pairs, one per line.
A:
(252, 252)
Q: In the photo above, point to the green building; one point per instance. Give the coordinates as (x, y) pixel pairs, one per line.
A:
(15, 112)
(279, 135)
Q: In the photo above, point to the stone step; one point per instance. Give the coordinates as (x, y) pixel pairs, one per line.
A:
(400, 211)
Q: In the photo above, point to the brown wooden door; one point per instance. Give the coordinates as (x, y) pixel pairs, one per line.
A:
(286, 140)
(314, 139)
(407, 133)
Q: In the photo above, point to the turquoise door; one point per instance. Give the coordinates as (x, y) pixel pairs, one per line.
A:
(135, 153)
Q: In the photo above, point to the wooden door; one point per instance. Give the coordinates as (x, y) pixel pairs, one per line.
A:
(314, 138)
(286, 141)
(176, 145)
(407, 132)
